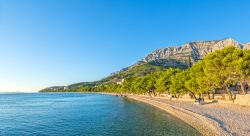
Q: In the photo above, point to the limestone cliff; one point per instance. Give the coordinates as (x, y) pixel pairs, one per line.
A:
(194, 51)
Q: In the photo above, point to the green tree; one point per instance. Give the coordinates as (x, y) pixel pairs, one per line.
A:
(222, 67)
(177, 86)
(199, 83)
(244, 68)
(127, 85)
(163, 81)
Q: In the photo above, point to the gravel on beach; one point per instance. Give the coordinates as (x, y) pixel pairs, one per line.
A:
(232, 119)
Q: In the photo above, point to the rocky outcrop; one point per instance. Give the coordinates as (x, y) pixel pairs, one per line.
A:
(247, 46)
(189, 52)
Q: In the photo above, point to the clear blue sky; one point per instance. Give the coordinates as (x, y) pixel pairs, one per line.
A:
(59, 42)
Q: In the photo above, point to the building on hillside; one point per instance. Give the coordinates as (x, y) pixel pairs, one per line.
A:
(65, 87)
(120, 82)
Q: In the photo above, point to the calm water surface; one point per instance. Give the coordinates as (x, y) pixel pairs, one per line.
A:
(72, 114)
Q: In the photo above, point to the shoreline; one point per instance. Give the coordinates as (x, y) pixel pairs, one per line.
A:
(209, 119)
(202, 124)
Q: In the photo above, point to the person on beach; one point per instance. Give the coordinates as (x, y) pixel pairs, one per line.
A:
(246, 87)
(151, 92)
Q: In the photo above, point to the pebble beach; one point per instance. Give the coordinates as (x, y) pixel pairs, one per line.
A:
(209, 119)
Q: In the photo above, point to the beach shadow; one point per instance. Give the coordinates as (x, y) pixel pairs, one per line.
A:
(214, 101)
(221, 123)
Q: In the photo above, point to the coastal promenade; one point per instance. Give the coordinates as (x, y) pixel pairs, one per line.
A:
(209, 118)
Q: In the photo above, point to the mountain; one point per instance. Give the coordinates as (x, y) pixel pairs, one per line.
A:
(172, 56)
(180, 55)
(247, 46)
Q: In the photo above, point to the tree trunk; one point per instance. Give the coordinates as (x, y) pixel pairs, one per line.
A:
(193, 95)
(213, 95)
(208, 95)
(242, 87)
(155, 94)
(229, 93)
(178, 96)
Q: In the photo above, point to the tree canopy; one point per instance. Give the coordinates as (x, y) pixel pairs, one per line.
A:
(218, 70)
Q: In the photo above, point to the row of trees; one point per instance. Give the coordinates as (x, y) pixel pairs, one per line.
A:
(218, 70)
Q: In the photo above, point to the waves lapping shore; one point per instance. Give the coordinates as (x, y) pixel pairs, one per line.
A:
(209, 119)
(204, 125)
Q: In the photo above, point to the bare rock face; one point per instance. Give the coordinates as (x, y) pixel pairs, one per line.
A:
(194, 51)
(247, 46)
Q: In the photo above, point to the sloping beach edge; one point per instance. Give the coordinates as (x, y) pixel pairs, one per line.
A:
(204, 125)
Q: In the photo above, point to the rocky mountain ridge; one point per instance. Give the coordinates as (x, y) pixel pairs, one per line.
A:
(194, 51)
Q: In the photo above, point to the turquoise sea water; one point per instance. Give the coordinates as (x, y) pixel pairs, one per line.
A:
(73, 114)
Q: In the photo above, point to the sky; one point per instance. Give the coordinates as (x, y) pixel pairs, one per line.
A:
(59, 42)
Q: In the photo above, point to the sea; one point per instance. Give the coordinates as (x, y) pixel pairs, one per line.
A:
(84, 114)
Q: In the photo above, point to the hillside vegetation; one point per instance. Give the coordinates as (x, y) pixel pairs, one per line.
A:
(218, 70)
(135, 71)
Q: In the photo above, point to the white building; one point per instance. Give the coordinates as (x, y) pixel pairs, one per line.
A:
(120, 82)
